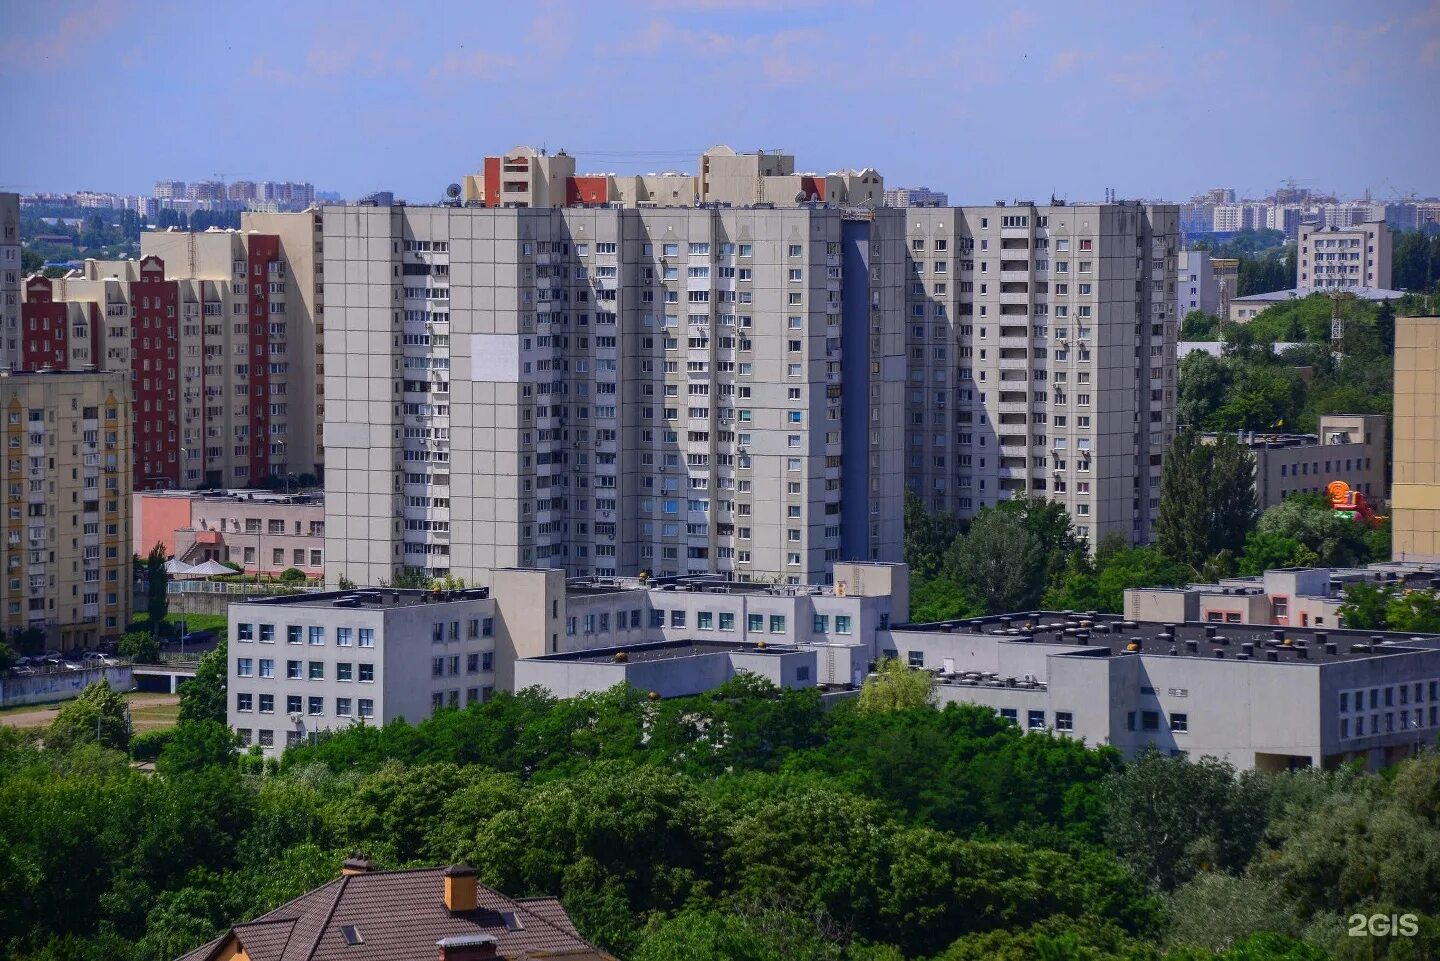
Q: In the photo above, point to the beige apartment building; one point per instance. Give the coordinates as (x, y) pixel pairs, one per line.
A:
(9, 278)
(1339, 258)
(1040, 357)
(1349, 448)
(527, 177)
(611, 391)
(66, 555)
(1415, 492)
(220, 331)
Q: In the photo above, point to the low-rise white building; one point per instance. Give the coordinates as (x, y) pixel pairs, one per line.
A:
(1259, 697)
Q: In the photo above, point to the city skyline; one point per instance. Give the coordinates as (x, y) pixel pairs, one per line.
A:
(410, 100)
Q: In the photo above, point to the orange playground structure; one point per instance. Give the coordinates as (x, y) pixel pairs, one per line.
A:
(1352, 504)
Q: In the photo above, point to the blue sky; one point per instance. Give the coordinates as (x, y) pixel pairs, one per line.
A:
(985, 100)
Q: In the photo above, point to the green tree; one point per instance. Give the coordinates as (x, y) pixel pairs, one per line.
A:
(1000, 561)
(157, 597)
(204, 697)
(1168, 817)
(1266, 551)
(1333, 540)
(1204, 383)
(928, 535)
(1198, 325)
(1207, 498)
(139, 646)
(97, 715)
(895, 686)
(8, 657)
(1366, 606)
(1416, 612)
(196, 746)
(30, 262)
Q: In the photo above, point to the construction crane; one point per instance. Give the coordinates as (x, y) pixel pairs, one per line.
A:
(1337, 320)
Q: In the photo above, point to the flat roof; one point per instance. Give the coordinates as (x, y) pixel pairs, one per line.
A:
(1112, 635)
(373, 598)
(666, 651)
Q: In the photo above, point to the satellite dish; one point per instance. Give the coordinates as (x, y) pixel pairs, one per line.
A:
(453, 191)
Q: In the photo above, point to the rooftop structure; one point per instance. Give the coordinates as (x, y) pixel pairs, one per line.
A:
(1348, 447)
(263, 531)
(372, 915)
(1246, 308)
(1262, 697)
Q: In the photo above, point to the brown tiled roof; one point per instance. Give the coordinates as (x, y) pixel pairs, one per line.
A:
(400, 915)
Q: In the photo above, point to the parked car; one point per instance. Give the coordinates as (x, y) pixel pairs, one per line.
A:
(198, 637)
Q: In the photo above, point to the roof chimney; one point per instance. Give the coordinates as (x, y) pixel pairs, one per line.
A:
(467, 947)
(462, 894)
(357, 863)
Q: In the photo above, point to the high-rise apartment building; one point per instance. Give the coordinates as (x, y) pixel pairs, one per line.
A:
(66, 477)
(219, 333)
(526, 177)
(733, 390)
(1415, 490)
(611, 390)
(170, 190)
(1331, 258)
(9, 278)
(916, 197)
(1040, 344)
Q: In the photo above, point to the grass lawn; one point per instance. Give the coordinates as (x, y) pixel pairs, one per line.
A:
(152, 711)
(193, 622)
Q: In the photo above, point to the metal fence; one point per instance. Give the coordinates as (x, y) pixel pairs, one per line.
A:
(244, 588)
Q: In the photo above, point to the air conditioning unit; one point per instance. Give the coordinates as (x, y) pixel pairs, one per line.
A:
(295, 717)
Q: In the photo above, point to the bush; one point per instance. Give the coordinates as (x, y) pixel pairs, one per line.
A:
(292, 575)
(141, 646)
(147, 746)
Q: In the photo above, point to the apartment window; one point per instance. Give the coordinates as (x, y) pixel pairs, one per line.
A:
(244, 667)
(366, 707)
(777, 623)
(822, 623)
(367, 637)
(915, 658)
(842, 623)
(293, 634)
(267, 703)
(1064, 721)
(267, 667)
(245, 632)
(727, 621)
(342, 707)
(294, 703)
(344, 671)
(1150, 720)
(1179, 723)
(1035, 720)
(293, 670)
(267, 633)
(704, 620)
(315, 706)
(244, 703)
(1010, 714)
(367, 673)
(317, 670)
(317, 636)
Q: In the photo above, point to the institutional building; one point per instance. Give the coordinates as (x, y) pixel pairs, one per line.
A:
(9, 278)
(1415, 491)
(1348, 447)
(265, 532)
(1305, 597)
(1341, 258)
(221, 334)
(66, 478)
(1260, 697)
